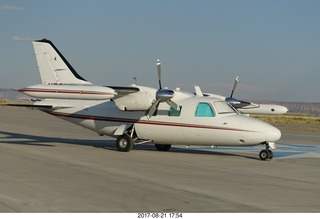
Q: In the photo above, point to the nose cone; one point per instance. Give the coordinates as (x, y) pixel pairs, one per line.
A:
(272, 133)
(258, 131)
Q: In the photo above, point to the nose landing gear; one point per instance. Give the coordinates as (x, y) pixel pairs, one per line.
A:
(267, 154)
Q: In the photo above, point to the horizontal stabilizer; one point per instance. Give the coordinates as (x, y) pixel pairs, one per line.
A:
(64, 91)
(35, 106)
(26, 105)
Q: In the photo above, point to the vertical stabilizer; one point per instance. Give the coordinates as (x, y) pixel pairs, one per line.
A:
(53, 67)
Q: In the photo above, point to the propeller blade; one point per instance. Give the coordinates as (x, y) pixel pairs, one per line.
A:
(236, 80)
(235, 102)
(153, 108)
(159, 72)
(173, 104)
(162, 95)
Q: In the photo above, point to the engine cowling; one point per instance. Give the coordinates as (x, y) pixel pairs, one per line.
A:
(139, 101)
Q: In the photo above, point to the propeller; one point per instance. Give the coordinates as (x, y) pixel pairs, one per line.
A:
(236, 81)
(162, 95)
(233, 101)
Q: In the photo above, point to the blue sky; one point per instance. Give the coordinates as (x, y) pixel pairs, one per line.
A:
(272, 45)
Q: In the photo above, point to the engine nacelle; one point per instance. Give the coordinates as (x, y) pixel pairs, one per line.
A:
(140, 101)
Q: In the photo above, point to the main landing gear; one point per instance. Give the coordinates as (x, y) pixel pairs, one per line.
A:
(124, 143)
(267, 154)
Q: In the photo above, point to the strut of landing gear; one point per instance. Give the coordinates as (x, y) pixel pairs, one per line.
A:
(128, 140)
(266, 154)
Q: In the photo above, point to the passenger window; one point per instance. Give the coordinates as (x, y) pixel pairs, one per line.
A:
(204, 110)
(174, 112)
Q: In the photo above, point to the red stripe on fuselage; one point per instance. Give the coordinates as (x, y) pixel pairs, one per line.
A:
(146, 122)
(63, 91)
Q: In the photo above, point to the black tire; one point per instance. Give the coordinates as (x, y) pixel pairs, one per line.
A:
(124, 143)
(264, 155)
(163, 147)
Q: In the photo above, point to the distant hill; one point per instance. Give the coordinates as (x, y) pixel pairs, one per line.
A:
(294, 107)
(9, 94)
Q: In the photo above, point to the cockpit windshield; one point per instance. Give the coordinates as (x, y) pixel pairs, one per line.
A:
(223, 107)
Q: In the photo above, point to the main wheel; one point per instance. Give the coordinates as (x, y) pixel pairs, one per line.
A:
(163, 147)
(124, 143)
(264, 155)
(270, 154)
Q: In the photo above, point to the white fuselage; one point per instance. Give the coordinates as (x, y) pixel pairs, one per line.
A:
(222, 129)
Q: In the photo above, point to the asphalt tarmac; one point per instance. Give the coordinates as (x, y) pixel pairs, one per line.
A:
(49, 165)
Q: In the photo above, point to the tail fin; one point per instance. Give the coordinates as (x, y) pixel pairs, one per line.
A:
(53, 67)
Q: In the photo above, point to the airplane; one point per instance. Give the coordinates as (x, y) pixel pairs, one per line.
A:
(246, 107)
(139, 114)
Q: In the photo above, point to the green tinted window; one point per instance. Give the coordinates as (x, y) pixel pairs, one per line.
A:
(204, 110)
(174, 112)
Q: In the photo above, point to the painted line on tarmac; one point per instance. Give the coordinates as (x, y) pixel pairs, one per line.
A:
(282, 151)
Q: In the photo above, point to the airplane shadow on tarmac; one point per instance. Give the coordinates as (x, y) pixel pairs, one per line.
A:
(42, 141)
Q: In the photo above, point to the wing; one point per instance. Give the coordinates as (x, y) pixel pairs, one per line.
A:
(122, 91)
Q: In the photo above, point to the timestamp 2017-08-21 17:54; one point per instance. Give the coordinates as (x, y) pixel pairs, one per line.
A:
(159, 215)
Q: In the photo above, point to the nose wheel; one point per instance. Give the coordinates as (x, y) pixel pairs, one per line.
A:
(266, 154)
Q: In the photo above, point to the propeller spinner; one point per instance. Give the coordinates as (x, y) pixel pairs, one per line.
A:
(233, 101)
(162, 95)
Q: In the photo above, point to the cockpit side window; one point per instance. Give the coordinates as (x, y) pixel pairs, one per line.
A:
(223, 107)
(204, 110)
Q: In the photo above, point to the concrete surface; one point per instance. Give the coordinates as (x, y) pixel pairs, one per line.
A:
(49, 165)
